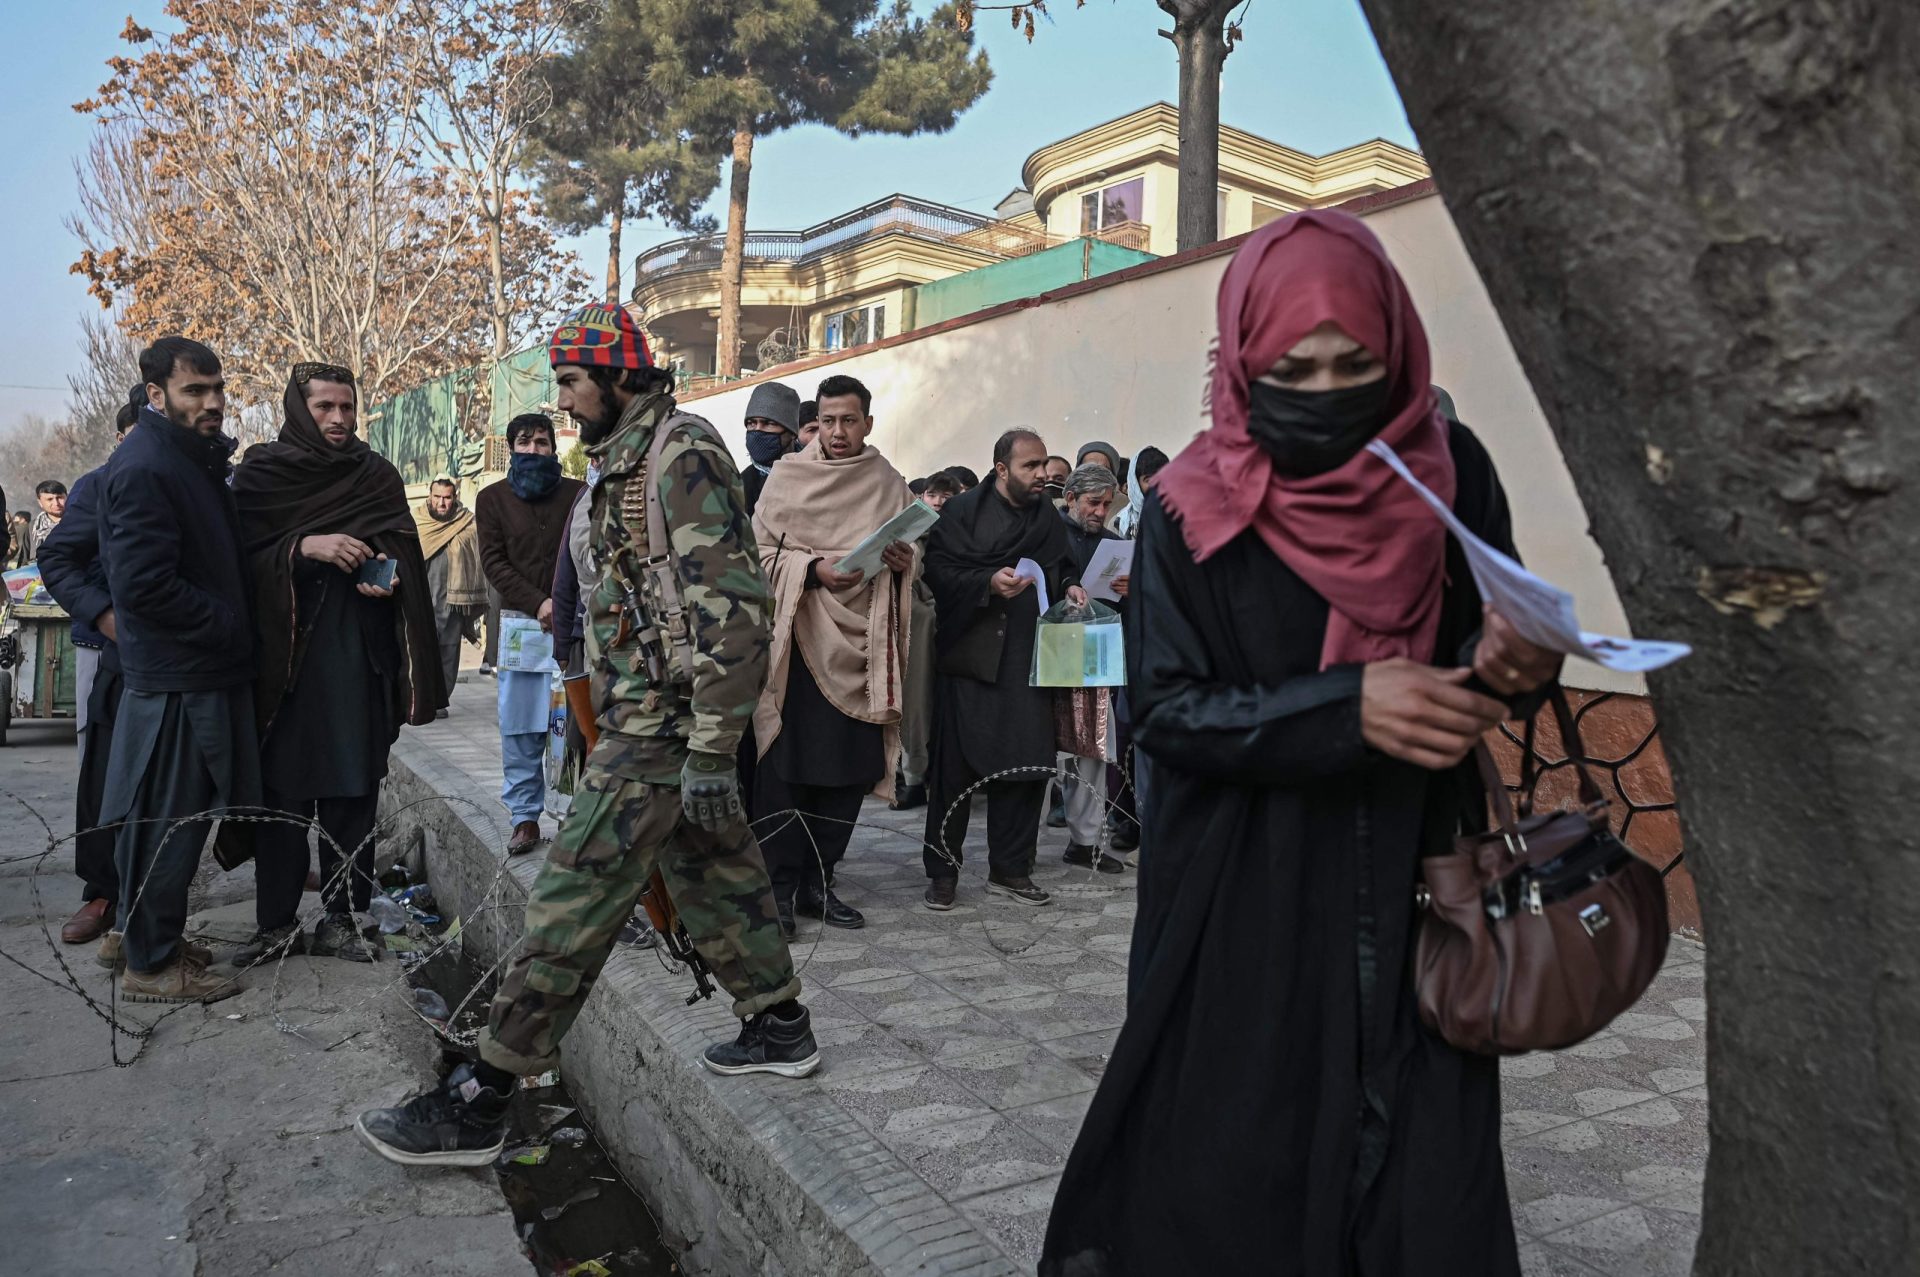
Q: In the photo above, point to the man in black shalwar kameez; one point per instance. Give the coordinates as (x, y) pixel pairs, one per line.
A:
(343, 661)
(986, 718)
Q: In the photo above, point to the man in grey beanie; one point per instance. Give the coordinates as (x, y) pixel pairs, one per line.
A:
(773, 424)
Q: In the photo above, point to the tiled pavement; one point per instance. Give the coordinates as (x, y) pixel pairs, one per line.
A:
(969, 1044)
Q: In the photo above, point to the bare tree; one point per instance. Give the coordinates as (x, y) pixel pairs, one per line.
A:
(288, 210)
(1699, 222)
(485, 76)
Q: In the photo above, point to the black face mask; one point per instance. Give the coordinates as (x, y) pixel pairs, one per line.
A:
(1309, 432)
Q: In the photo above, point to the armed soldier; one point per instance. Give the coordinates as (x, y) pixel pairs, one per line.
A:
(677, 637)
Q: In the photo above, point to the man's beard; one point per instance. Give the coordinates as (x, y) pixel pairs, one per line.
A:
(177, 415)
(1019, 495)
(596, 430)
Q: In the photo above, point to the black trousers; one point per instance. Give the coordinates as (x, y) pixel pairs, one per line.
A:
(1013, 814)
(93, 846)
(803, 850)
(281, 858)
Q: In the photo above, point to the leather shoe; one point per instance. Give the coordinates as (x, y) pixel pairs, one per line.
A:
(94, 920)
(832, 910)
(940, 893)
(526, 836)
(907, 797)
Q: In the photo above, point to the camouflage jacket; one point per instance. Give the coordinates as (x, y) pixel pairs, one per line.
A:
(646, 729)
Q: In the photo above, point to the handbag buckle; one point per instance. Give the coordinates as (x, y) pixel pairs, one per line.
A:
(1594, 918)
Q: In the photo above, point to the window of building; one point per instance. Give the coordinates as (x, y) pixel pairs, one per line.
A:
(856, 327)
(1114, 205)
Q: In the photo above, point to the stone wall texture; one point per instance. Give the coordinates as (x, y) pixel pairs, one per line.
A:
(1622, 737)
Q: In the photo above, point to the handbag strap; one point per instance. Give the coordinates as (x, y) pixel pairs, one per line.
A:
(1591, 795)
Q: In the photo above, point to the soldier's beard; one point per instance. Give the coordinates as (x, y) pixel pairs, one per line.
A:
(593, 432)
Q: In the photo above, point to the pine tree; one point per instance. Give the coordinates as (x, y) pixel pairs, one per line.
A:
(607, 151)
(734, 71)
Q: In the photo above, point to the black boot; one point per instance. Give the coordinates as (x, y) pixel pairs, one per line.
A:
(769, 1044)
(830, 909)
(461, 1122)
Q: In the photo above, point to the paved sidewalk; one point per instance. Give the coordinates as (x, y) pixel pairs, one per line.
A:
(969, 1043)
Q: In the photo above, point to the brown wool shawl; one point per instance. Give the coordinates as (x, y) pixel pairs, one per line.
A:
(854, 641)
(300, 485)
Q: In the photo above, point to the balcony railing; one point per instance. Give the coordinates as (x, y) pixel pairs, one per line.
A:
(898, 214)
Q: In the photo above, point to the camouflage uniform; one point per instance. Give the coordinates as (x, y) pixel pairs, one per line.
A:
(627, 810)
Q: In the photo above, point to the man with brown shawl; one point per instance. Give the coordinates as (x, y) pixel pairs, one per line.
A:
(828, 723)
(346, 654)
(451, 547)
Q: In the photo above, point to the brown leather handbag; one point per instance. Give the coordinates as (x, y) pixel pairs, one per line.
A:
(1536, 934)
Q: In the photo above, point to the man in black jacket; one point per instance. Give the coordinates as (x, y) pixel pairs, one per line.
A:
(184, 744)
(71, 566)
(986, 719)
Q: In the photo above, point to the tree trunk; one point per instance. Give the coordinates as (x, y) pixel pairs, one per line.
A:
(1698, 221)
(616, 214)
(733, 258)
(1199, 37)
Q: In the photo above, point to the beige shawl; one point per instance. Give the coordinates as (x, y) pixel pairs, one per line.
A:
(854, 641)
(466, 583)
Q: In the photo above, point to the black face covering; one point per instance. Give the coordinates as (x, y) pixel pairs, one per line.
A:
(1309, 432)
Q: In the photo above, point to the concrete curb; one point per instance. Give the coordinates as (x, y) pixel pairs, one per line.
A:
(746, 1175)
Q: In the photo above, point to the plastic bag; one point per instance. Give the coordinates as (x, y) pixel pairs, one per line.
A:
(1078, 647)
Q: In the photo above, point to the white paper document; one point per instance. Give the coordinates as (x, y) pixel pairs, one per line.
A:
(1031, 570)
(1541, 611)
(1110, 559)
(909, 525)
(524, 647)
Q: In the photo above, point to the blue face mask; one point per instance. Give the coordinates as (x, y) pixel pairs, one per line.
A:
(768, 446)
(532, 475)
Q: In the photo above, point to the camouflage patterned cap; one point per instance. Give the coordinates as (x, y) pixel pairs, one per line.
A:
(600, 335)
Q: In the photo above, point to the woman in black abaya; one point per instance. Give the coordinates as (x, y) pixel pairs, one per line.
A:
(1309, 665)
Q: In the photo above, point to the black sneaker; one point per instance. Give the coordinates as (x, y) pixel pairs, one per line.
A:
(458, 1123)
(940, 893)
(830, 910)
(1078, 853)
(768, 1044)
(1019, 889)
(278, 943)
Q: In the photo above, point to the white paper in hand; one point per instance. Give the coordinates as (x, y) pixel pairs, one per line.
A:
(1111, 559)
(1031, 571)
(1541, 611)
(908, 526)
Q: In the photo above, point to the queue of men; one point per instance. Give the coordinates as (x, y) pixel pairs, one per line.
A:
(262, 634)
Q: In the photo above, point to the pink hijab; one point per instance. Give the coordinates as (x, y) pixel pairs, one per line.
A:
(1358, 535)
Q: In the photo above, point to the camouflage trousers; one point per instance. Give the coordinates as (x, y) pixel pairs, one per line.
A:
(596, 867)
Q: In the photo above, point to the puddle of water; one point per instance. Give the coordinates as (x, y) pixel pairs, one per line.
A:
(572, 1207)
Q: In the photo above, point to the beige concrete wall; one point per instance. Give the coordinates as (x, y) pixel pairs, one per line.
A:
(1126, 362)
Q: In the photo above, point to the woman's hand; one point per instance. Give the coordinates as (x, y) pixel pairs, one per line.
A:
(1509, 664)
(1422, 715)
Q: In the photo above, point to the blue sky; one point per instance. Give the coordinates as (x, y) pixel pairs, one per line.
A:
(1308, 76)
